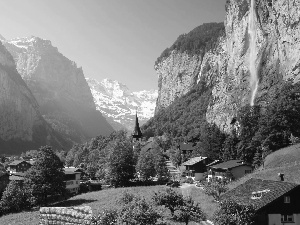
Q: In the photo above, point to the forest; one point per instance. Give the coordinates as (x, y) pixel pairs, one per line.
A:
(198, 41)
(256, 131)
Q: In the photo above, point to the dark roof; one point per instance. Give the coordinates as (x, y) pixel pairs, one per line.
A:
(137, 131)
(272, 190)
(193, 161)
(229, 164)
(187, 146)
(16, 162)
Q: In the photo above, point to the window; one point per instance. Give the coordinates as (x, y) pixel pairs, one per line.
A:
(287, 199)
(287, 218)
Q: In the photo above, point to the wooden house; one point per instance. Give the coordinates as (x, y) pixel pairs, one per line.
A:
(275, 202)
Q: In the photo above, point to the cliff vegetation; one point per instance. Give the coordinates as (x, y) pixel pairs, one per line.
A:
(199, 40)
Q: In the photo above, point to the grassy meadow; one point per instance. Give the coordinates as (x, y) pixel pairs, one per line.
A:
(108, 198)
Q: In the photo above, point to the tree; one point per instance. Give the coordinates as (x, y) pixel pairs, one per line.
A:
(169, 198)
(120, 162)
(14, 198)
(146, 165)
(175, 156)
(138, 211)
(231, 213)
(216, 187)
(188, 211)
(46, 177)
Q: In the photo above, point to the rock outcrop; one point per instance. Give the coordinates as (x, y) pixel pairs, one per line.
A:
(59, 87)
(119, 105)
(226, 66)
(21, 125)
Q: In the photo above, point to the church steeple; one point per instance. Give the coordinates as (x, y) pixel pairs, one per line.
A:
(137, 134)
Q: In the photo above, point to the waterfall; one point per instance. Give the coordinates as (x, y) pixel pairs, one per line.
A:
(253, 53)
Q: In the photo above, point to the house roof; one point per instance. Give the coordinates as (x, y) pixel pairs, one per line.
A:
(186, 146)
(271, 190)
(193, 161)
(214, 162)
(16, 162)
(14, 177)
(71, 170)
(229, 164)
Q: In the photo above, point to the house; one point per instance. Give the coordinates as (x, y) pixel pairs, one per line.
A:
(275, 202)
(72, 179)
(187, 148)
(18, 177)
(196, 167)
(237, 168)
(18, 166)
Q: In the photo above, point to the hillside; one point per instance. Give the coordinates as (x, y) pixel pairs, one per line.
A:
(60, 88)
(223, 61)
(22, 126)
(286, 161)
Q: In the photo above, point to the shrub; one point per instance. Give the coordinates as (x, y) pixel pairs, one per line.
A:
(169, 198)
(231, 212)
(188, 211)
(108, 217)
(189, 180)
(138, 211)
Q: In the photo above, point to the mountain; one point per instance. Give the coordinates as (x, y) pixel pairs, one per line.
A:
(22, 126)
(119, 105)
(209, 71)
(60, 88)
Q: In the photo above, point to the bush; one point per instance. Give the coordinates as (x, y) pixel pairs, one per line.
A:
(168, 198)
(189, 180)
(14, 198)
(108, 217)
(188, 211)
(138, 211)
(231, 212)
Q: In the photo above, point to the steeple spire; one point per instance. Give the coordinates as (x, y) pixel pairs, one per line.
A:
(137, 134)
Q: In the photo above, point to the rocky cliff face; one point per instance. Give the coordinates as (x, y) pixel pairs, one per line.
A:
(21, 125)
(176, 75)
(60, 88)
(119, 105)
(226, 66)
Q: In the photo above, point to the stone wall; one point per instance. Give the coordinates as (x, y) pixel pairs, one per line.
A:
(66, 215)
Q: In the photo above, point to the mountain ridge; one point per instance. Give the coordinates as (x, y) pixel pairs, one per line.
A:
(59, 87)
(119, 105)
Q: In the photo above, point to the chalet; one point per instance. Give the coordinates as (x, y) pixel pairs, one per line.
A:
(196, 167)
(237, 168)
(275, 202)
(187, 148)
(72, 179)
(18, 166)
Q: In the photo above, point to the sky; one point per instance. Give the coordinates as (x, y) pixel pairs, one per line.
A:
(115, 39)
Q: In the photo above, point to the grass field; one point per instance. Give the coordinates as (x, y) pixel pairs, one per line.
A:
(103, 199)
(286, 161)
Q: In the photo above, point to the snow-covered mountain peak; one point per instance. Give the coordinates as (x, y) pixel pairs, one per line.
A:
(114, 100)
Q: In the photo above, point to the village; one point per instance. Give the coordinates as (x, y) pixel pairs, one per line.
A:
(273, 201)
